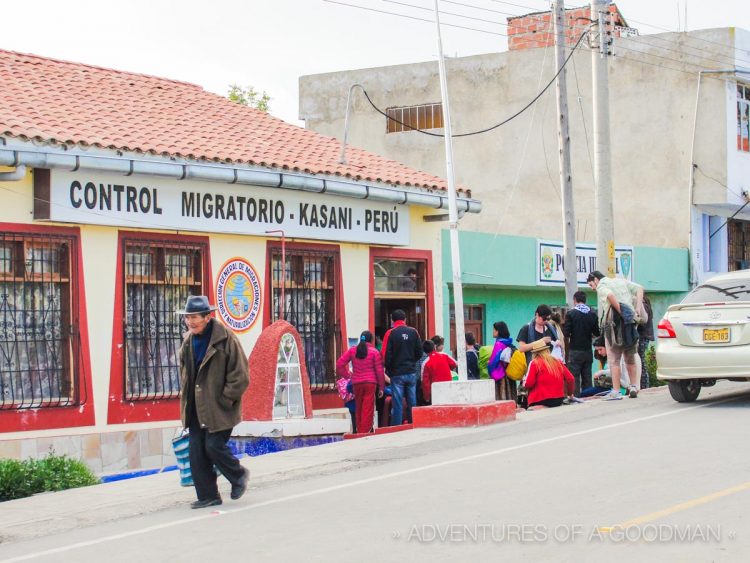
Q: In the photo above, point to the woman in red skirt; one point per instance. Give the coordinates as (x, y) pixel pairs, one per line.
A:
(367, 376)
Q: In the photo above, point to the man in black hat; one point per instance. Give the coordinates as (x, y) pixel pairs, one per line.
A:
(213, 377)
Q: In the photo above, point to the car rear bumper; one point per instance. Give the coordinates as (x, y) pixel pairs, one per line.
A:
(685, 362)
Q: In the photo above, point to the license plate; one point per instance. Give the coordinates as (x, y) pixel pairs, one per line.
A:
(716, 335)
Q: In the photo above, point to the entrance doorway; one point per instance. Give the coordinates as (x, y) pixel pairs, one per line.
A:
(401, 279)
(473, 323)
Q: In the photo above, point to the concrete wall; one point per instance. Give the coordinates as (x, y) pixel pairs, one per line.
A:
(513, 169)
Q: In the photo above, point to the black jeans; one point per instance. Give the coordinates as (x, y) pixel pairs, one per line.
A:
(579, 364)
(642, 345)
(209, 449)
(549, 402)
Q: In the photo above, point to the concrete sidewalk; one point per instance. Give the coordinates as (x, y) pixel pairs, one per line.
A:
(52, 513)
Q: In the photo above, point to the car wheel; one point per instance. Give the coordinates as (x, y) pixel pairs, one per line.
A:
(685, 391)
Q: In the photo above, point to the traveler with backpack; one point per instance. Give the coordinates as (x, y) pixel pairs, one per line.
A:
(506, 389)
(581, 326)
(539, 328)
(620, 309)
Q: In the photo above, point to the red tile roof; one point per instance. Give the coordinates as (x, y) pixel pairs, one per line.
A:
(57, 101)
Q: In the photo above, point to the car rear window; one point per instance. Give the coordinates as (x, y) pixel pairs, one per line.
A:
(728, 291)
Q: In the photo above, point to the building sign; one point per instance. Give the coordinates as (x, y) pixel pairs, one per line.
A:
(238, 294)
(185, 205)
(550, 262)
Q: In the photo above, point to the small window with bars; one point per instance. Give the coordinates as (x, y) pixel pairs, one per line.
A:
(39, 338)
(159, 276)
(743, 117)
(738, 245)
(305, 296)
(423, 117)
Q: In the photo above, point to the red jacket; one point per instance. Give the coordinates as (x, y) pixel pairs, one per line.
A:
(366, 370)
(437, 367)
(545, 383)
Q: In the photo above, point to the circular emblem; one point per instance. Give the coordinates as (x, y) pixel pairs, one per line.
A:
(238, 294)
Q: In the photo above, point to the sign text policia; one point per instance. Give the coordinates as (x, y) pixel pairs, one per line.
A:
(202, 206)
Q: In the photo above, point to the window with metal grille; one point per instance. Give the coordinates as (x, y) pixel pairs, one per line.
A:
(425, 116)
(738, 242)
(39, 339)
(743, 117)
(159, 276)
(305, 296)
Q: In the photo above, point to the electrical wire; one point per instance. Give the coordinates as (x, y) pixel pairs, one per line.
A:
(413, 18)
(643, 40)
(698, 168)
(487, 129)
(724, 224)
(583, 120)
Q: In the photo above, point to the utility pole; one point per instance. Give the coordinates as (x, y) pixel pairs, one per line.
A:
(570, 265)
(458, 294)
(605, 228)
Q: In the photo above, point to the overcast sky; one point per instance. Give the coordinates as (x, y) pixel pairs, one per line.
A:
(271, 43)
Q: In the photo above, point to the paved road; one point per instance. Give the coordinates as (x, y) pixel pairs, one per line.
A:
(644, 479)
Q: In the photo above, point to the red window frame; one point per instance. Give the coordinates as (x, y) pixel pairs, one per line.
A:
(120, 410)
(82, 414)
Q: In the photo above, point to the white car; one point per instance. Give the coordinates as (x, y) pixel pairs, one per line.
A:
(706, 337)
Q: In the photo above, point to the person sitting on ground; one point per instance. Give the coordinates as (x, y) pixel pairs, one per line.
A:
(602, 379)
(548, 380)
(367, 377)
(472, 356)
(437, 368)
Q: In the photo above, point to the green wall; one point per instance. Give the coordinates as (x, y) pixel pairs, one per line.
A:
(499, 272)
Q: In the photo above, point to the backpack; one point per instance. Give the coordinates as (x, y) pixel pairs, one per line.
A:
(516, 367)
(484, 357)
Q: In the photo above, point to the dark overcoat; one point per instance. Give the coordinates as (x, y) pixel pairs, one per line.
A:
(221, 380)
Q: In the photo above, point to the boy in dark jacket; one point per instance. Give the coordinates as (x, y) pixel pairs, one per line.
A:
(581, 326)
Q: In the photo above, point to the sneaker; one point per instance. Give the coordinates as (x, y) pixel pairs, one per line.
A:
(239, 489)
(205, 503)
(633, 392)
(613, 396)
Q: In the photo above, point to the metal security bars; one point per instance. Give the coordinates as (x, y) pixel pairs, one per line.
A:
(159, 276)
(422, 117)
(310, 306)
(39, 337)
(738, 245)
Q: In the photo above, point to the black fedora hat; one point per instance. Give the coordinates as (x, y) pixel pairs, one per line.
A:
(196, 304)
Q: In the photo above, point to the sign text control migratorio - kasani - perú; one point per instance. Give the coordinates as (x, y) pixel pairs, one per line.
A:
(191, 205)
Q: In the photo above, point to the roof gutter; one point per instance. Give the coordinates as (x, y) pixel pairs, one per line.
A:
(18, 157)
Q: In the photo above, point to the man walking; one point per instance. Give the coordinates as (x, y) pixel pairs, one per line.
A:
(213, 377)
(402, 348)
(619, 300)
(580, 326)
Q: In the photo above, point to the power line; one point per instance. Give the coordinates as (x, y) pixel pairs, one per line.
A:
(732, 217)
(699, 169)
(583, 120)
(413, 17)
(519, 112)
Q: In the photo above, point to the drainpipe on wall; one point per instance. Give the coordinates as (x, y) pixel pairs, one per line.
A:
(342, 157)
(692, 274)
(18, 174)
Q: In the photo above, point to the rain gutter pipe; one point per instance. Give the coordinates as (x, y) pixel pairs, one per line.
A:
(11, 156)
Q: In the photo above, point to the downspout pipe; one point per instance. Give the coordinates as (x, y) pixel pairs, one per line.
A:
(692, 268)
(18, 174)
(243, 176)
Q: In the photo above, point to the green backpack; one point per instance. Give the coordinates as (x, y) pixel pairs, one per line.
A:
(484, 357)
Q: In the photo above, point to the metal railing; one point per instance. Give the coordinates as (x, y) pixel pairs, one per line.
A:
(309, 283)
(39, 338)
(159, 276)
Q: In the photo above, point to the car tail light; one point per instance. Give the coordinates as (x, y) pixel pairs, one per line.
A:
(665, 329)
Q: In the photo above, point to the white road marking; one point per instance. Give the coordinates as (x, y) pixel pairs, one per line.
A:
(324, 490)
